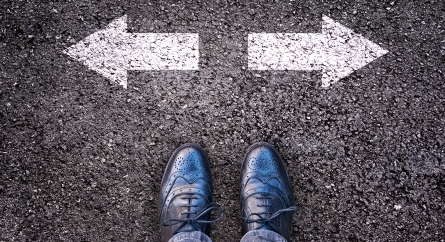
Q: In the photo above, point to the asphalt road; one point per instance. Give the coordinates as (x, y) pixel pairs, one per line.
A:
(81, 158)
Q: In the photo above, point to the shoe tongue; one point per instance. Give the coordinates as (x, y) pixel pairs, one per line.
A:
(181, 204)
(191, 201)
(263, 201)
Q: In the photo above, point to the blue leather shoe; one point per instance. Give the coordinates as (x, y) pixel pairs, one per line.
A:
(266, 192)
(185, 199)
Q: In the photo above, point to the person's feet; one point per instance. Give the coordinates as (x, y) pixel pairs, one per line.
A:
(266, 195)
(185, 199)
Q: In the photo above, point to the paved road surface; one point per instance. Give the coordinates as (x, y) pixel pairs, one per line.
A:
(81, 157)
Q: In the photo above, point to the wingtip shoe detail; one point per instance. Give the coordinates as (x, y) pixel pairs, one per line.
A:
(266, 193)
(185, 199)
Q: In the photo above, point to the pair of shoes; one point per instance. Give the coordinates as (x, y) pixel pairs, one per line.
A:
(186, 202)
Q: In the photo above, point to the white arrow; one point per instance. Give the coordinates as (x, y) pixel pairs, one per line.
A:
(112, 51)
(337, 51)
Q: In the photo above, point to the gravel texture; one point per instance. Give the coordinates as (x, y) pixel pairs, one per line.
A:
(81, 158)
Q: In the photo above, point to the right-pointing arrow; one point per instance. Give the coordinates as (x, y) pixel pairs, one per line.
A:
(337, 51)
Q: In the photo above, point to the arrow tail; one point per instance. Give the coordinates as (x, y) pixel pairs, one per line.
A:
(286, 51)
(170, 51)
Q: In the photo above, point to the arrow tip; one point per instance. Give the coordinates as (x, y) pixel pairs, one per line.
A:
(102, 51)
(347, 51)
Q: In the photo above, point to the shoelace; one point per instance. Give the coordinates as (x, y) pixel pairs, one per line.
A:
(268, 219)
(193, 218)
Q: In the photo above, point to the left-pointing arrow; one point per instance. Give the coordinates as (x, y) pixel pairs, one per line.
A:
(112, 51)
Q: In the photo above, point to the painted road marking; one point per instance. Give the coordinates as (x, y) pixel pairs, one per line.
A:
(112, 51)
(337, 51)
